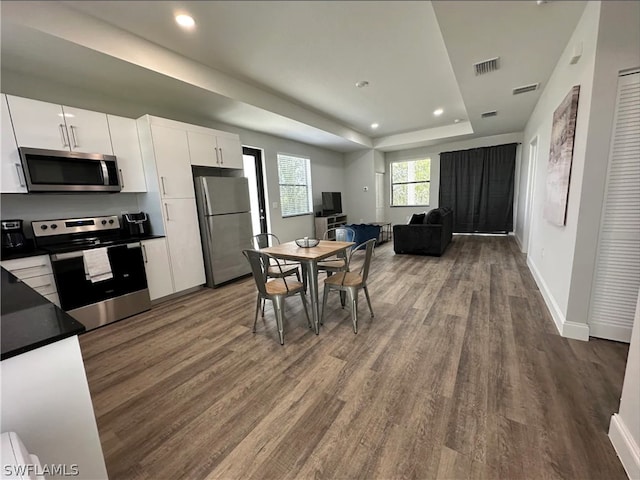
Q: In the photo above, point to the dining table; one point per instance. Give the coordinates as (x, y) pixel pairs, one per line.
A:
(309, 258)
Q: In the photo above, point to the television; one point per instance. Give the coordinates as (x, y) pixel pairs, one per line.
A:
(331, 203)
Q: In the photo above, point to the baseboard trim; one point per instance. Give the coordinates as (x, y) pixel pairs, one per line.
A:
(618, 333)
(519, 242)
(625, 446)
(577, 331)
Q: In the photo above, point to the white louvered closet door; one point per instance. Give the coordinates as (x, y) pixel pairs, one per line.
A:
(617, 276)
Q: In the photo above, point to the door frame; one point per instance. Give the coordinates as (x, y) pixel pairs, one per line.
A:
(257, 154)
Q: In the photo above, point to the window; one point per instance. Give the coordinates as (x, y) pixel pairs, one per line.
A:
(294, 177)
(410, 183)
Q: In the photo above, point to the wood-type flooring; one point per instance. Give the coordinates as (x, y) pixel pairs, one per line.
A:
(461, 374)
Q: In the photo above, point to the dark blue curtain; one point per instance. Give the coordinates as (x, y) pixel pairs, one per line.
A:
(477, 185)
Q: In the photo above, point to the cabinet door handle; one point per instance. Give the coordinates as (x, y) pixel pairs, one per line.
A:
(73, 135)
(121, 178)
(164, 190)
(221, 157)
(65, 141)
(166, 209)
(217, 158)
(144, 254)
(23, 182)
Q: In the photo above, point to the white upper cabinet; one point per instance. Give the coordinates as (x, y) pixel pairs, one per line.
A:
(38, 124)
(230, 151)
(211, 150)
(126, 148)
(46, 125)
(172, 162)
(203, 149)
(11, 174)
(88, 131)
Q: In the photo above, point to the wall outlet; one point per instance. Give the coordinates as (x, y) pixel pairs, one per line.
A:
(124, 212)
(542, 253)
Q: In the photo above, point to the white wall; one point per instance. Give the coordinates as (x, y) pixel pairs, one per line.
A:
(562, 258)
(551, 250)
(359, 173)
(625, 425)
(47, 206)
(402, 214)
(327, 167)
(618, 49)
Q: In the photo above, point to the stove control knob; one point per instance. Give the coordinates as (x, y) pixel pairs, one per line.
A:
(43, 227)
(111, 222)
(54, 226)
(104, 222)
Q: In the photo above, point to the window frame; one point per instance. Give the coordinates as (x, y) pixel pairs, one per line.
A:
(392, 183)
(308, 185)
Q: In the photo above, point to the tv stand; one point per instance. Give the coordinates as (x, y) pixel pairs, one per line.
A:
(331, 221)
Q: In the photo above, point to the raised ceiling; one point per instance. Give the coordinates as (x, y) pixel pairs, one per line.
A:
(290, 68)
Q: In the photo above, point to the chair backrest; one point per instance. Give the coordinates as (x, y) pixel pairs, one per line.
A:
(264, 240)
(368, 254)
(340, 234)
(258, 269)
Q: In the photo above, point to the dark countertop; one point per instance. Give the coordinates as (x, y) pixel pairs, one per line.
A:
(28, 320)
(32, 251)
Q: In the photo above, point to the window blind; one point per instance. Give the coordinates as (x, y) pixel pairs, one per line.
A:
(294, 177)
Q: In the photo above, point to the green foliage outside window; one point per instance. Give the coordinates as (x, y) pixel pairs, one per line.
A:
(410, 183)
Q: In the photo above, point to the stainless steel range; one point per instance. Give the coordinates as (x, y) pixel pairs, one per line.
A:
(99, 274)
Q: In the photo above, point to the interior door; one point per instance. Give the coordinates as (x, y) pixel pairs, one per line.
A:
(617, 272)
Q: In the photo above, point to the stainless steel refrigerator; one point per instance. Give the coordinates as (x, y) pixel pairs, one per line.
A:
(225, 226)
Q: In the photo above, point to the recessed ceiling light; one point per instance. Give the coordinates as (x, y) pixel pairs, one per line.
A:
(185, 21)
(438, 112)
(362, 84)
(374, 125)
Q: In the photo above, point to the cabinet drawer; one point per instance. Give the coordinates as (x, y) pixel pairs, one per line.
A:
(43, 284)
(29, 267)
(53, 298)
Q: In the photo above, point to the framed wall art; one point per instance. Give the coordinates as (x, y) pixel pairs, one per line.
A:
(560, 158)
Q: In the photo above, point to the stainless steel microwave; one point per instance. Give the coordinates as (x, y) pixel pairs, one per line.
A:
(62, 171)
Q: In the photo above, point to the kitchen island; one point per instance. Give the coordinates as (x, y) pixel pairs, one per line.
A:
(45, 395)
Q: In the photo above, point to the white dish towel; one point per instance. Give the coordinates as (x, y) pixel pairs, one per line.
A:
(96, 264)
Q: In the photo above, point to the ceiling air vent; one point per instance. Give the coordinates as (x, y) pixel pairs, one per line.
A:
(492, 113)
(487, 66)
(526, 88)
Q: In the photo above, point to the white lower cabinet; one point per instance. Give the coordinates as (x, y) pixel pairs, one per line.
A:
(158, 267)
(185, 246)
(37, 273)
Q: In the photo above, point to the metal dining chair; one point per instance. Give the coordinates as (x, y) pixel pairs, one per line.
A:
(264, 240)
(339, 262)
(275, 290)
(351, 283)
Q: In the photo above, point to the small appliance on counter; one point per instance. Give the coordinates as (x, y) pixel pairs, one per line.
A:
(136, 224)
(12, 236)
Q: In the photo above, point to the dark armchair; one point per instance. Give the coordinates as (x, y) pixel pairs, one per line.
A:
(427, 235)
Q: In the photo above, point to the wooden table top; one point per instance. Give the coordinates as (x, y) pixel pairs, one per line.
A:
(291, 251)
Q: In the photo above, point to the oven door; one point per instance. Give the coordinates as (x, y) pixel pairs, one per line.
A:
(76, 291)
